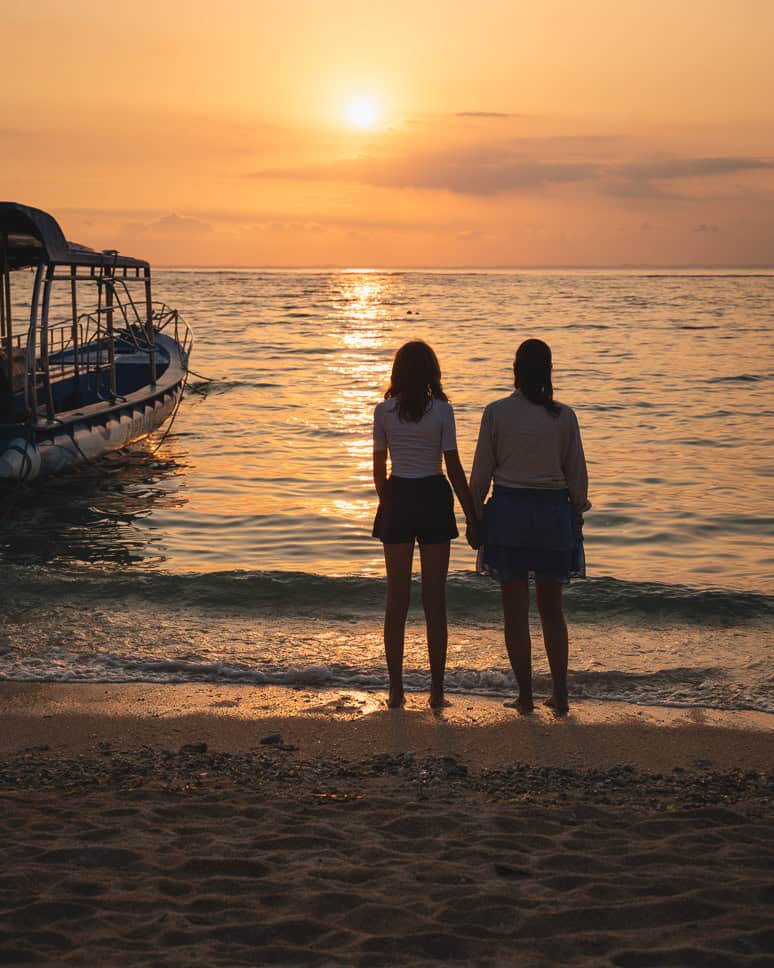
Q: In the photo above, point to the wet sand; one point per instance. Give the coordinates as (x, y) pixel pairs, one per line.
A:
(177, 825)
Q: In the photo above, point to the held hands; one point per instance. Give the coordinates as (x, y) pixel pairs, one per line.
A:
(473, 534)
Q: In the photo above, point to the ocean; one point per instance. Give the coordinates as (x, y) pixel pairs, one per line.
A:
(236, 546)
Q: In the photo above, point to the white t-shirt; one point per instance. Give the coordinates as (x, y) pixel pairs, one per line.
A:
(415, 448)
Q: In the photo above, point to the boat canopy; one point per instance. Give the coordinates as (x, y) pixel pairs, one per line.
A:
(33, 238)
(118, 285)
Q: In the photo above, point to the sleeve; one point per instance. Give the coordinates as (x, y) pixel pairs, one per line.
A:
(448, 430)
(483, 463)
(380, 434)
(574, 467)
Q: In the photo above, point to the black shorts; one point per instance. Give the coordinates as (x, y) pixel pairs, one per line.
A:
(416, 507)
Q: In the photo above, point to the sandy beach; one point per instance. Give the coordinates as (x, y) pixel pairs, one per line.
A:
(202, 824)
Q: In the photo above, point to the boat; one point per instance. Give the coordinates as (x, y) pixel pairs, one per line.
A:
(108, 373)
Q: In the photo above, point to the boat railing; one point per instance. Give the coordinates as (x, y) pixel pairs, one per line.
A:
(86, 344)
(93, 329)
(87, 347)
(60, 340)
(164, 317)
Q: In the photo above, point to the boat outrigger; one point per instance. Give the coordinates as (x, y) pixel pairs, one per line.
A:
(99, 379)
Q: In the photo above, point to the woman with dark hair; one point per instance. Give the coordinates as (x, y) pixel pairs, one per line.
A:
(530, 447)
(415, 424)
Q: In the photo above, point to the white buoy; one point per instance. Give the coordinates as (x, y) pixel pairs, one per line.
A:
(20, 461)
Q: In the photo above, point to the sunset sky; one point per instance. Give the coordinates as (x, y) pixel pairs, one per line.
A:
(542, 132)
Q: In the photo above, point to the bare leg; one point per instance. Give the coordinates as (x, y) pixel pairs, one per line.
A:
(517, 641)
(397, 558)
(435, 567)
(549, 599)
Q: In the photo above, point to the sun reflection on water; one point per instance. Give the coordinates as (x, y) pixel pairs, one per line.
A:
(357, 373)
(352, 513)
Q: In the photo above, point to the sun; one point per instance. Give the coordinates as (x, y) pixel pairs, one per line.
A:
(362, 112)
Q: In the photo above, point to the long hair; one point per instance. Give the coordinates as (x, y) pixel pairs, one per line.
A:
(532, 374)
(415, 381)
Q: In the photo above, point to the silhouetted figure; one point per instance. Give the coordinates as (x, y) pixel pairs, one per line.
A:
(530, 447)
(415, 424)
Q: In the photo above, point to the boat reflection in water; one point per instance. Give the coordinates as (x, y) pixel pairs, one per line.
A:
(106, 514)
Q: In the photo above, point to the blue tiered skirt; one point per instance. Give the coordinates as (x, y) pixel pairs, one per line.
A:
(531, 532)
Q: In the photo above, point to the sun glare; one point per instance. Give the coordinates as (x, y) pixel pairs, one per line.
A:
(361, 112)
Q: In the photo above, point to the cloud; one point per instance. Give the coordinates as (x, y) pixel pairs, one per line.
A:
(635, 188)
(650, 179)
(149, 223)
(182, 223)
(518, 165)
(171, 226)
(498, 115)
(483, 171)
(693, 167)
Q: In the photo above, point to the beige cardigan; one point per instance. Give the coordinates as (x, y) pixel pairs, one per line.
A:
(521, 444)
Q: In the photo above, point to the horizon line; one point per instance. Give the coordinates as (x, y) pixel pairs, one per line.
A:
(468, 268)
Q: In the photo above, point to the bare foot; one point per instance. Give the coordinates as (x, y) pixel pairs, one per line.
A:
(524, 706)
(560, 706)
(396, 700)
(437, 701)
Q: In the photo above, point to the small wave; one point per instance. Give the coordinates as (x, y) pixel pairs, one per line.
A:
(470, 597)
(708, 688)
(205, 387)
(718, 274)
(740, 378)
(309, 351)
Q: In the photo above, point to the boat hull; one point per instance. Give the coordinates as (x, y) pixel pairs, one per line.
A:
(29, 453)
